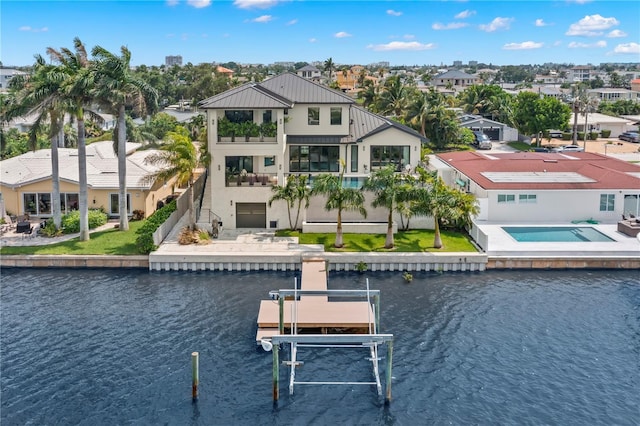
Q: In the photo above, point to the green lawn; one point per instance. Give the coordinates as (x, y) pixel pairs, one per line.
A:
(405, 241)
(109, 242)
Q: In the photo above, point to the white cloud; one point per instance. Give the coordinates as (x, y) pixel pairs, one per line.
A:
(199, 4)
(591, 25)
(627, 48)
(525, 45)
(263, 19)
(579, 1)
(172, 2)
(541, 23)
(577, 45)
(497, 24)
(449, 26)
(312, 40)
(557, 43)
(258, 4)
(617, 34)
(393, 12)
(408, 36)
(401, 45)
(33, 30)
(465, 14)
(292, 22)
(342, 34)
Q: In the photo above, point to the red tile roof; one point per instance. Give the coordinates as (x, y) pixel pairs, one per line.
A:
(604, 172)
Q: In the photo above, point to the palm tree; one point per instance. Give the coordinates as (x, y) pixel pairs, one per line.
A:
(386, 184)
(294, 191)
(77, 91)
(338, 198)
(178, 158)
(39, 94)
(434, 198)
(393, 99)
(116, 87)
(328, 66)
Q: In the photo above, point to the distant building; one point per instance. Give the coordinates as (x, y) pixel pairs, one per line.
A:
(457, 64)
(309, 72)
(454, 79)
(173, 60)
(473, 63)
(6, 74)
(581, 73)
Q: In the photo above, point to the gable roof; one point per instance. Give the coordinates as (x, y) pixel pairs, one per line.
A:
(546, 171)
(366, 124)
(282, 91)
(102, 167)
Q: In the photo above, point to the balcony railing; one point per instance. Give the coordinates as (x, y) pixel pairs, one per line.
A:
(252, 179)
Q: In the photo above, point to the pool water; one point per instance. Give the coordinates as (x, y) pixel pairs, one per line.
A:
(560, 234)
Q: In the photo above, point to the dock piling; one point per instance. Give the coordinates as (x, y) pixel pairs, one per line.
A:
(276, 372)
(195, 373)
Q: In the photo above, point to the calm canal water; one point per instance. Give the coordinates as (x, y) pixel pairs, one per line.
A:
(113, 347)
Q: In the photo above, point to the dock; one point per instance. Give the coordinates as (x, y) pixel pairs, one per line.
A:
(313, 311)
(313, 316)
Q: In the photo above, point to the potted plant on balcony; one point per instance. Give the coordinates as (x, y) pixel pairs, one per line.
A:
(249, 129)
(267, 129)
(226, 129)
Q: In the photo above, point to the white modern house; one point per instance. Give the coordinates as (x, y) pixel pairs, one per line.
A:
(531, 187)
(304, 129)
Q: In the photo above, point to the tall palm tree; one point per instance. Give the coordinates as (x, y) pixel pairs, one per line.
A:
(179, 158)
(39, 94)
(338, 198)
(393, 99)
(329, 66)
(386, 184)
(116, 87)
(294, 191)
(77, 91)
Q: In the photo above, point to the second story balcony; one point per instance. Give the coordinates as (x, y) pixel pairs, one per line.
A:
(251, 179)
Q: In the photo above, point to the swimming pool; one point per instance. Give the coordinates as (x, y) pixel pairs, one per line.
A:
(560, 234)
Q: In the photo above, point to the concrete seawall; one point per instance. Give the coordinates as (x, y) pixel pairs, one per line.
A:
(442, 262)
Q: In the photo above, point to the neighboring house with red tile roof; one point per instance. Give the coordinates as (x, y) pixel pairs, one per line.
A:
(544, 187)
(635, 85)
(224, 71)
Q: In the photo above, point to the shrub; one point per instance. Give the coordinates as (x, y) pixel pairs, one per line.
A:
(138, 215)
(567, 136)
(593, 136)
(144, 242)
(50, 230)
(605, 133)
(71, 221)
(580, 136)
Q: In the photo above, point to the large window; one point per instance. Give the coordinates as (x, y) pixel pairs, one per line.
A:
(69, 202)
(354, 158)
(303, 158)
(37, 203)
(382, 156)
(313, 116)
(336, 116)
(239, 116)
(506, 198)
(114, 203)
(238, 164)
(527, 198)
(607, 202)
(266, 116)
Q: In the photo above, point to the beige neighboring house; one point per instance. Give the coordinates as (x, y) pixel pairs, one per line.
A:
(26, 185)
(610, 94)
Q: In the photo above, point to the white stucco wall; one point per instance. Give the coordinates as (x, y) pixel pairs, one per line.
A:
(298, 122)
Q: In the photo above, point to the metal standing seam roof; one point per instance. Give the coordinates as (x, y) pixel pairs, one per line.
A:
(248, 95)
(366, 124)
(102, 167)
(300, 90)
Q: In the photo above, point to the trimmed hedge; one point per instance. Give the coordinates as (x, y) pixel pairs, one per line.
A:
(605, 133)
(71, 221)
(144, 241)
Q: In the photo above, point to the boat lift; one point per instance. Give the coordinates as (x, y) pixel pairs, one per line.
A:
(371, 340)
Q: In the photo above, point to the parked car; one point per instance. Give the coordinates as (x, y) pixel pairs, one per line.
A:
(481, 140)
(568, 148)
(556, 134)
(540, 149)
(630, 137)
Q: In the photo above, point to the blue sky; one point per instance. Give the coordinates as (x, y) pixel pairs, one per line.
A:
(350, 32)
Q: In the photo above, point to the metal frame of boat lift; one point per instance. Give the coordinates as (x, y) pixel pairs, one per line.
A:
(371, 340)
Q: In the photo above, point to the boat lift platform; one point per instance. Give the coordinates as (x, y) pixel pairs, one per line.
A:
(315, 317)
